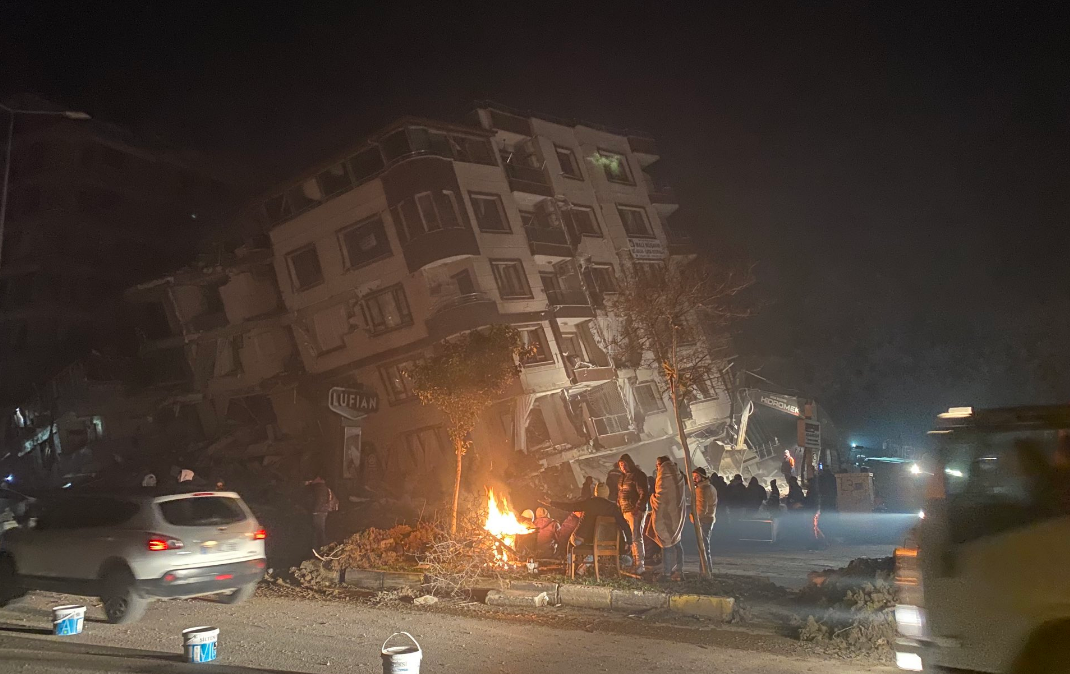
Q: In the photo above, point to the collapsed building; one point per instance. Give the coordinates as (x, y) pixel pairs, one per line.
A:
(346, 276)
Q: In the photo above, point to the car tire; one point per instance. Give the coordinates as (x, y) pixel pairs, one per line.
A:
(243, 593)
(11, 589)
(122, 603)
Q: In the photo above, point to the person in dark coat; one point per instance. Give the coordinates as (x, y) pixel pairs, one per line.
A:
(737, 496)
(613, 482)
(587, 490)
(588, 510)
(632, 498)
(652, 549)
(756, 496)
(826, 484)
(721, 487)
(795, 497)
(322, 504)
(773, 502)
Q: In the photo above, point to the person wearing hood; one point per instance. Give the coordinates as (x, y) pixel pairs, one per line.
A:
(756, 496)
(588, 510)
(667, 519)
(706, 504)
(795, 497)
(587, 490)
(737, 496)
(773, 503)
(632, 497)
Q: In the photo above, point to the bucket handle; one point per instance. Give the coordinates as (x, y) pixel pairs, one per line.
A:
(397, 633)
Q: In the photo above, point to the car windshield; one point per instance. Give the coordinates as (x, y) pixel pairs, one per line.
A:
(202, 511)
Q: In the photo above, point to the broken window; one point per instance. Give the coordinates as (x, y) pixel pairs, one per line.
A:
(511, 279)
(615, 166)
(584, 221)
(395, 145)
(365, 164)
(634, 221)
(473, 150)
(536, 350)
(303, 196)
(364, 242)
(605, 278)
(305, 267)
(334, 179)
(227, 356)
(650, 400)
(490, 214)
(387, 309)
(331, 325)
(570, 168)
(397, 379)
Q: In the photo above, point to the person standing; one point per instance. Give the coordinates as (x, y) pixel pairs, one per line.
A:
(323, 502)
(773, 502)
(787, 466)
(706, 502)
(756, 496)
(667, 519)
(587, 490)
(632, 497)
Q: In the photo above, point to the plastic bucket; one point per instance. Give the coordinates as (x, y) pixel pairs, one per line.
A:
(199, 643)
(68, 620)
(401, 659)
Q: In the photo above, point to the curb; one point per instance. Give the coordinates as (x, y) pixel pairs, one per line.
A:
(382, 580)
(718, 608)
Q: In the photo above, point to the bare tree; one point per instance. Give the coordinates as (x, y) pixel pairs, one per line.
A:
(463, 377)
(671, 318)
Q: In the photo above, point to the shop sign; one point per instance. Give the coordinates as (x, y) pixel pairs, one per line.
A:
(351, 403)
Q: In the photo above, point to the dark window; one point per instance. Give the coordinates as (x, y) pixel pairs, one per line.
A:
(364, 242)
(303, 196)
(473, 150)
(584, 221)
(705, 389)
(536, 349)
(634, 221)
(426, 203)
(570, 168)
(465, 284)
(395, 145)
(571, 347)
(615, 167)
(511, 279)
(275, 208)
(387, 309)
(397, 379)
(649, 398)
(446, 208)
(365, 164)
(335, 179)
(605, 279)
(305, 268)
(528, 219)
(490, 213)
(202, 511)
(427, 212)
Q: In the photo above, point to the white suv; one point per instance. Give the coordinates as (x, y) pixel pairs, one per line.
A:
(129, 549)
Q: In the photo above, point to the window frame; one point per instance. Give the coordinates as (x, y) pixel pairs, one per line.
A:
(297, 287)
(629, 179)
(500, 204)
(495, 263)
(407, 319)
(563, 149)
(597, 233)
(543, 341)
(624, 208)
(384, 377)
(398, 212)
(649, 385)
(347, 263)
(612, 275)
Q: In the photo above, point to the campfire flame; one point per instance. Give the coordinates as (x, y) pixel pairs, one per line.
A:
(503, 525)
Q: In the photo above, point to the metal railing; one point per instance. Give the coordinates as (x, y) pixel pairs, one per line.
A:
(550, 235)
(561, 298)
(528, 174)
(458, 300)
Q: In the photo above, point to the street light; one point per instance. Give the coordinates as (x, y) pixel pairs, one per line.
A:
(69, 114)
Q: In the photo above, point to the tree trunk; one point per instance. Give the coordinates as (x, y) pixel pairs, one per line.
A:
(458, 448)
(690, 482)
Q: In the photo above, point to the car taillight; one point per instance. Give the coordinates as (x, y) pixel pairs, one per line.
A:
(161, 543)
(259, 535)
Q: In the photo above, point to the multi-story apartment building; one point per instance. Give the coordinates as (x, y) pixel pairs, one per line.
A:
(425, 230)
(92, 210)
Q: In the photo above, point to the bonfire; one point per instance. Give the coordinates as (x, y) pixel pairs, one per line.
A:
(503, 525)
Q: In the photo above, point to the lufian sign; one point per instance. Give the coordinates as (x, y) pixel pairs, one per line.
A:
(351, 403)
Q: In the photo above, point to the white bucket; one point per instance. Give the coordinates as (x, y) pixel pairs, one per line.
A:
(199, 643)
(401, 659)
(68, 620)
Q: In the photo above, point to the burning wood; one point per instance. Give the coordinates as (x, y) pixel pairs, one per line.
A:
(503, 525)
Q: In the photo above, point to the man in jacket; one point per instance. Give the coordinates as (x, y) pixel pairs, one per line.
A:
(632, 497)
(706, 502)
(589, 510)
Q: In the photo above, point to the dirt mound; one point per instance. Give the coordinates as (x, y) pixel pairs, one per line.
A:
(850, 610)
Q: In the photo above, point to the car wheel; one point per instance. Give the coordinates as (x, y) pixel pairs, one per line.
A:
(243, 593)
(10, 587)
(122, 603)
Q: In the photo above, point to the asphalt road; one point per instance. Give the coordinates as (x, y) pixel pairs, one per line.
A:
(279, 634)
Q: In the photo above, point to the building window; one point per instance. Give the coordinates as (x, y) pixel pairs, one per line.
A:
(490, 214)
(426, 450)
(584, 221)
(536, 350)
(334, 180)
(473, 150)
(364, 242)
(650, 400)
(511, 279)
(397, 379)
(365, 164)
(305, 268)
(331, 325)
(570, 168)
(527, 219)
(605, 279)
(387, 309)
(426, 212)
(615, 166)
(571, 348)
(705, 388)
(634, 221)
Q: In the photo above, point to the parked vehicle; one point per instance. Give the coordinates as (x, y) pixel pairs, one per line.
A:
(132, 548)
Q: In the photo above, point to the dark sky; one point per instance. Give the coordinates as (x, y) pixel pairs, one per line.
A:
(898, 171)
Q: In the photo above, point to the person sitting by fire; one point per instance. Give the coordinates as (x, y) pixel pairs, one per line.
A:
(588, 510)
(546, 529)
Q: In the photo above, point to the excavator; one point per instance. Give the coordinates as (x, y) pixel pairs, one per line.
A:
(764, 459)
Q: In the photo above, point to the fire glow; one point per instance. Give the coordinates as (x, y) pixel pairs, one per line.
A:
(503, 525)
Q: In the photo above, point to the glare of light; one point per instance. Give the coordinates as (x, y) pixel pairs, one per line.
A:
(910, 620)
(9, 478)
(956, 413)
(915, 469)
(67, 486)
(911, 662)
(921, 514)
(953, 472)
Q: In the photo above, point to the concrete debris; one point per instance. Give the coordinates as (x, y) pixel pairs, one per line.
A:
(517, 598)
(425, 600)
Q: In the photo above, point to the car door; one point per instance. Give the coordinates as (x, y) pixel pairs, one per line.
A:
(96, 534)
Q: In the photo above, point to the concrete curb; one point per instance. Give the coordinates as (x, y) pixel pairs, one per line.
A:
(517, 598)
(638, 600)
(717, 608)
(382, 580)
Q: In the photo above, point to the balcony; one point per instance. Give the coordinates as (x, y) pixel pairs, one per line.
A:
(594, 375)
(680, 244)
(528, 180)
(548, 242)
(443, 245)
(461, 313)
(661, 195)
(570, 303)
(644, 149)
(504, 121)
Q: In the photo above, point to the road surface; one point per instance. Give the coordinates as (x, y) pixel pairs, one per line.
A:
(281, 634)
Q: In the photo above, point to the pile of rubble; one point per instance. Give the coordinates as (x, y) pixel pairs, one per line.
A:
(395, 549)
(850, 610)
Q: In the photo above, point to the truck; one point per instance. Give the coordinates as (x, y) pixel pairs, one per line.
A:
(984, 578)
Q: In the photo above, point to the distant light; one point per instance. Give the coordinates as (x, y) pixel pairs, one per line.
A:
(915, 469)
(75, 114)
(9, 478)
(953, 472)
(67, 486)
(911, 662)
(193, 216)
(921, 514)
(854, 445)
(956, 413)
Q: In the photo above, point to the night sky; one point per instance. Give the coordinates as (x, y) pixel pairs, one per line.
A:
(898, 172)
